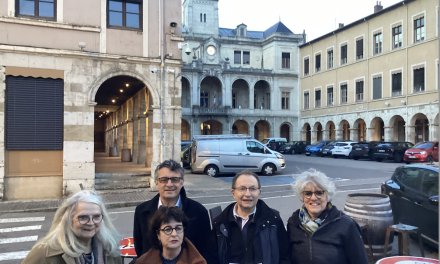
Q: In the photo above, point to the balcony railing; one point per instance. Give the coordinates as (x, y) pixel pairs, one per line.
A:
(210, 110)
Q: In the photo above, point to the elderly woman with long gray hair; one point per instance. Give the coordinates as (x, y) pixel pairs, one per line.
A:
(81, 233)
(319, 232)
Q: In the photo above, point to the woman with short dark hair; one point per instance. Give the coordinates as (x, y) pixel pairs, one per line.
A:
(168, 241)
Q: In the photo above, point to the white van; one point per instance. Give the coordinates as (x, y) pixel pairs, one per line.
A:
(267, 141)
(233, 153)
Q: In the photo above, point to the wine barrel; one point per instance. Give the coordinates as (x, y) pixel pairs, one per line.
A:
(113, 152)
(375, 211)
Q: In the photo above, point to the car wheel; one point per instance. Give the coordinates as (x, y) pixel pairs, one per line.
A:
(335, 157)
(268, 169)
(398, 158)
(350, 156)
(379, 160)
(307, 154)
(407, 162)
(211, 170)
(430, 159)
(355, 157)
(292, 151)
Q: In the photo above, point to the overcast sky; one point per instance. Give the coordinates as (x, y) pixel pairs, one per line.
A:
(316, 17)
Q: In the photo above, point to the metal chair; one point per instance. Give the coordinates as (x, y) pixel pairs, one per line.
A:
(403, 231)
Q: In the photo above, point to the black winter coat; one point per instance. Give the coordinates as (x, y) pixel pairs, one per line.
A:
(270, 242)
(197, 231)
(337, 241)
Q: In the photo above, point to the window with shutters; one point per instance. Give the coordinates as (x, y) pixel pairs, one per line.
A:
(201, 17)
(344, 94)
(359, 91)
(330, 59)
(419, 29)
(285, 57)
(397, 37)
(306, 100)
(377, 87)
(124, 15)
(204, 17)
(255, 100)
(285, 98)
(204, 99)
(34, 113)
(237, 57)
(377, 39)
(396, 84)
(39, 9)
(359, 49)
(306, 66)
(318, 63)
(329, 96)
(246, 57)
(318, 98)
(344, 54)
(234, 100)
(419, 79)
(267, 100)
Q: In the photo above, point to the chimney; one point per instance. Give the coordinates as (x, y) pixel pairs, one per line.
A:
(378, 7)
(341, 25)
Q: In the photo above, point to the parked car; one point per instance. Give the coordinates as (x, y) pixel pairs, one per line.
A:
(413, 192)
(422, 152)
(215, 154)
(391, 150)
(316, 146)
(326, 150)
(294, 147)
(274, 143)
(343, 149)
(364, 150)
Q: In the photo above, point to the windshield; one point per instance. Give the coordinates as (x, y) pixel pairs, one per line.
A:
(385, 145)
(264, 141)
(424, 145)
(317, 143)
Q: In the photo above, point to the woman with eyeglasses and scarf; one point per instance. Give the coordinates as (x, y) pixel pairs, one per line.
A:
(81, 233)
(320, 233)
(168, 241)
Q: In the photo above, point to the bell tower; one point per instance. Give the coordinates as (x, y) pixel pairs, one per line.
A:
(201, 17)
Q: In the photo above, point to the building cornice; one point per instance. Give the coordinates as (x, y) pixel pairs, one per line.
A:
(49, 24)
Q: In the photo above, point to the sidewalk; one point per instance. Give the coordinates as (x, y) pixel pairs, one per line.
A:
(195, 185)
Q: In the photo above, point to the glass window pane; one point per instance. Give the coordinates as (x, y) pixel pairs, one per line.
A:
(115, 19)
(132, 20)
(27, 7)
(132, 8)
(115, 6)
(46, 9)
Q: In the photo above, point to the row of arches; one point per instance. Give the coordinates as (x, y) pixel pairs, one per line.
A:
(417, 129)
(212, 127)
(212, 87)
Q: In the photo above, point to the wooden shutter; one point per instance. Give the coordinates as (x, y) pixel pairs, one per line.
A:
(34, 113)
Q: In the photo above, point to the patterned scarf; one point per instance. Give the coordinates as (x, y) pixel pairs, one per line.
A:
(312, 225)
(97, 254)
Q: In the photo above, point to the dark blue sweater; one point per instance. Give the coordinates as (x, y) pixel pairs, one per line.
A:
(337, 241)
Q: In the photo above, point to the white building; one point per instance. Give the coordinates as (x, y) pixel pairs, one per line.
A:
(237, 80)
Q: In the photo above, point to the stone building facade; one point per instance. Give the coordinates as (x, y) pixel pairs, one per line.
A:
(374, 79)
(237, 80)
(68, 66)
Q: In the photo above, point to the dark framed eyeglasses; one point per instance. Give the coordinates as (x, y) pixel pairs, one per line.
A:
(166, 179)
(318, 194)
(84, 219)
(243, 189)
(168, 230)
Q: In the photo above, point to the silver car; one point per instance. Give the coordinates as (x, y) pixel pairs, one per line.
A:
(233, 153)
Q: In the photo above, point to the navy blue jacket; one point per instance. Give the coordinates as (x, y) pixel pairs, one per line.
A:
(267, 242)
(337, 241)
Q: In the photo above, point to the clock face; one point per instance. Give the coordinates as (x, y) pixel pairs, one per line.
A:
(210, 50)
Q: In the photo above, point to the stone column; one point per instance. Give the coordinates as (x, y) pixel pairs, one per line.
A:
(150, 146)
(154, 138)
(251, 98)
(135, 151)
(433, 130)
(339, 134)
(125, 125)
(251, 129)
(371, 133)
(354, 133)
(325, 135)
(130, 125)
(411, 134)
(389, 131)
(314, 136)
(121, 131)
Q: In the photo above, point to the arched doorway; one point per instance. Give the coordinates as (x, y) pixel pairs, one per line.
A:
(361, 130)
(261, 130)
(345, 127)
(285, 132)
(211, 93)
(211, 127)
(331, 130)
(186, 93)
(421, 124)
(186, 130)
(240, 127)
(378, 129)
(262, 95)
(240, 94)
(318, 130)
(397, 123)
(307, 132)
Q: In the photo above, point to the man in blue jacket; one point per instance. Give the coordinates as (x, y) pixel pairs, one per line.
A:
(248, 231)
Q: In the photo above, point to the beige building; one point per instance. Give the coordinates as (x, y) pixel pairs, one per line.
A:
(374, 79)
(79, 76)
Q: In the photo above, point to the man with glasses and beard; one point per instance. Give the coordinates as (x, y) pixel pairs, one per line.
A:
(248, 231)
(169, 178)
